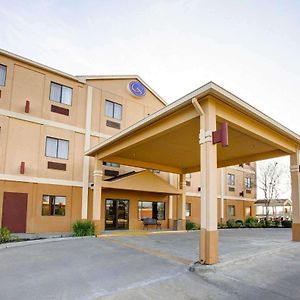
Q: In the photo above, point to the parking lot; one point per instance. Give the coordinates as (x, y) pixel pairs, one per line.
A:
(254, 263)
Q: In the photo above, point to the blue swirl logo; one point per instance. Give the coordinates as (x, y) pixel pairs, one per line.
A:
(137, 89)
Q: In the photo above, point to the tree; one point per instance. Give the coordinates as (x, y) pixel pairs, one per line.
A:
(270, 180)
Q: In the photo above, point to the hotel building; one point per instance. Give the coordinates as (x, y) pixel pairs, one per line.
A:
(48, 119)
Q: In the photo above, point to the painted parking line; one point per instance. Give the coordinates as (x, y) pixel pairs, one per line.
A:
(153, 252)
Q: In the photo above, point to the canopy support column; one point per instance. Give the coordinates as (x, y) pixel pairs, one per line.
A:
(208, 180)
(182, 201)
(98, 175)
(295, 182)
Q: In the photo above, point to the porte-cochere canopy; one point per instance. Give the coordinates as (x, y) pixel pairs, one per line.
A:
(169, 139)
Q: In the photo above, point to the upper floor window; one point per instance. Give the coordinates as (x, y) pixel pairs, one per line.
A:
(248, 183)
(61, 93)
(53, 205)
(231, 179)
(109, 164)
(57, 148)
(113, 110)
(3, 70)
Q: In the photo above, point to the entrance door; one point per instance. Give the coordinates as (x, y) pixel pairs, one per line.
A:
(116, 214)
(14, 211)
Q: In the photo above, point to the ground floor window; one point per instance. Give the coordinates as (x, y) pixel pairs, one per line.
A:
(148, 209)
(247, 211)
(53, 205)
(188, 209)
(231, 210)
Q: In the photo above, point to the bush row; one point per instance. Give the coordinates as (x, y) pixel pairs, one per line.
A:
(253, 222)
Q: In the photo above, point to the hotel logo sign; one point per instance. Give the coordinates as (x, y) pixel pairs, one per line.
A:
(136, 89)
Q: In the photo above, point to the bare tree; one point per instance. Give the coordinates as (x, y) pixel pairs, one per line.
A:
(270, 179)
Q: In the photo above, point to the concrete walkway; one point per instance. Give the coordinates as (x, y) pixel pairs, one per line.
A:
(255, 263)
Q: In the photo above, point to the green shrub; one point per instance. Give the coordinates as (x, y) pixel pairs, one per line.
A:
(276, 223)
(239, 223)
(286, 224)
(5, 235)
(221, 225)
(189, 225)
(83, 228)
(251, 222)
(231, 223)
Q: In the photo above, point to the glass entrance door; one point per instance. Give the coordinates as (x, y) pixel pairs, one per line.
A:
(116, 214)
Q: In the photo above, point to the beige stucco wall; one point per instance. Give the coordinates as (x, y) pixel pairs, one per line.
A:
(24, 140)
(36, 223)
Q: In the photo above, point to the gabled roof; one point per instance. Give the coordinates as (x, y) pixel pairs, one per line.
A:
(81, 78)
(209, 88)
(115, 77)
(144, 181)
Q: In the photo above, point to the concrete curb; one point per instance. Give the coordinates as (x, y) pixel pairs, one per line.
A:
(40, 241)
(140, 233)
(204, 269)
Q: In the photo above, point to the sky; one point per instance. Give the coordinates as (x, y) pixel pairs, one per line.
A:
(251, 48)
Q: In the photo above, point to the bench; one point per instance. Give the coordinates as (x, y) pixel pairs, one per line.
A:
(151, 221)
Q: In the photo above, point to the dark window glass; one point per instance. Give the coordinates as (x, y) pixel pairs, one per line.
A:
(53, 205)
(155, 210)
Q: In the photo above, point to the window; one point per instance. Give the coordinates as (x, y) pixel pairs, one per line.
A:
(53, 205)
(155, 210)
(109, 164)
(113, 110)
(231, 210)
(61, 93)
(248, 183)
(188, 209)
(231, 179)
(57, 148)
(3, 70)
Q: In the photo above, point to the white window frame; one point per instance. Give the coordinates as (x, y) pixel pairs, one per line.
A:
(62, 87)
(57, 148)
(113, 116)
